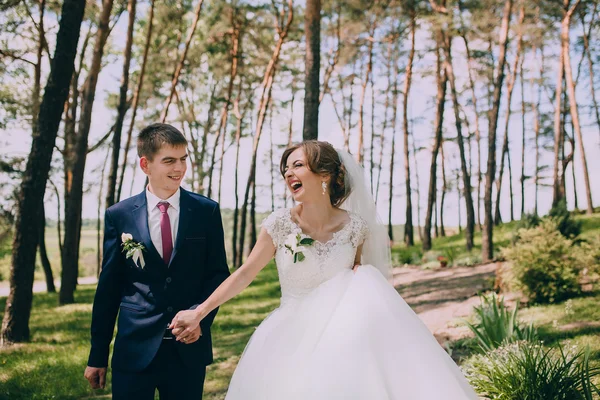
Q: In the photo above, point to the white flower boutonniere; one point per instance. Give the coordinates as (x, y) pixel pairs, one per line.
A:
(133, 249)
(296, 243)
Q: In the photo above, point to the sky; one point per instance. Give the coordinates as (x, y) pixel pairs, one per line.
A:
(17, 141)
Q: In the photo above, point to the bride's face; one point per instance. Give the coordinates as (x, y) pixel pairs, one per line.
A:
(303, 183)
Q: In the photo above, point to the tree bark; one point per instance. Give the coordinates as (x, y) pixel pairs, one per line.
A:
(477, 130)
(409, 239)
(505, 150)
(573, 108)
(70, 262)
(536, 129)
(121, 107)
(487, 239)
(442, 79)
(470, 227)
(312, 26)
(136, 98)
(221, 133)
(586, 46)
(444, 191)
(265, 97)
(363, 95)
(179, 67)
(44, 255)
(15, 325)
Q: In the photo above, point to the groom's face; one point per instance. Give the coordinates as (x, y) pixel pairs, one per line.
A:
(167, 168)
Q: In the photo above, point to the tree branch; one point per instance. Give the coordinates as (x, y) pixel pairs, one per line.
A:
(101, 141)
(6, 53)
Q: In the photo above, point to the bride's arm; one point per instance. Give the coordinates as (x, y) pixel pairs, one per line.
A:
(186, 321)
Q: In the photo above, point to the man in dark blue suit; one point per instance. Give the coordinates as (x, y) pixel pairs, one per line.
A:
(176, 260)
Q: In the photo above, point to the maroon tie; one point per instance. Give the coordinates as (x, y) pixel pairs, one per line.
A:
(165, 231)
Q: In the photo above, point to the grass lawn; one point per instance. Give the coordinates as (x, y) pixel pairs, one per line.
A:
(52, 365)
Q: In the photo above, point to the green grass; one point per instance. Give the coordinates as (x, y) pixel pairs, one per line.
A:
(52, 365)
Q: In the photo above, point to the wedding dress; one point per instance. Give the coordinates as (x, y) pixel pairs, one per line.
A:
(340, 334)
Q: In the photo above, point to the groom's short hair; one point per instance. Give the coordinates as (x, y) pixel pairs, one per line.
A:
(154, 136)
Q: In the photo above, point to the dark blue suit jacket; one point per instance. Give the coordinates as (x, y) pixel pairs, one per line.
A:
(147, 299)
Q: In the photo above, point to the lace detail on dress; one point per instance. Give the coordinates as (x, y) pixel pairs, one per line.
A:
(323, 260)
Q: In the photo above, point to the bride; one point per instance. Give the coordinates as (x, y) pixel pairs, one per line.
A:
(341, 331)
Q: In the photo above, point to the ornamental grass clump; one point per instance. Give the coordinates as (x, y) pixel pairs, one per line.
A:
(497, 325)
(525, 370)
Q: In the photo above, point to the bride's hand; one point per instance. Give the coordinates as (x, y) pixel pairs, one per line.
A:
(355, 267)
(184, 324)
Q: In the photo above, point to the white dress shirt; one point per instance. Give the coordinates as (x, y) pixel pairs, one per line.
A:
(154, 217)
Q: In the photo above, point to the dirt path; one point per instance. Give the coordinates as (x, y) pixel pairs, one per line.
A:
(440, 297)
(40, 286)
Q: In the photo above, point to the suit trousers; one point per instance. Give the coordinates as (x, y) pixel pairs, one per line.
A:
(166, 372)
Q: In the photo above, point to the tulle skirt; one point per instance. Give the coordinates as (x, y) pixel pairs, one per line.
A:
(353, 337)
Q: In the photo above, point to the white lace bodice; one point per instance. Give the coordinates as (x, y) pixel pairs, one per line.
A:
(322, 260)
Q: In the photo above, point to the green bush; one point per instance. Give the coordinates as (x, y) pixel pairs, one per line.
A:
(408, 255)
(496, 325)
(468, 260)
(529, 371)
(566, 224)
(546, 264)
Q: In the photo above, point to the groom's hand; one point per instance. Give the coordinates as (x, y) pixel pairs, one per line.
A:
(96, 377)
(190, 338)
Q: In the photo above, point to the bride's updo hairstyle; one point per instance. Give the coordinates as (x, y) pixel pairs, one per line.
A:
(323, 159)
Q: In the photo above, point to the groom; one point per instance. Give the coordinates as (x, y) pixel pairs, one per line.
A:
(182, 262)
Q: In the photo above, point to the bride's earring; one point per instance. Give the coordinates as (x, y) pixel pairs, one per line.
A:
(324, 187)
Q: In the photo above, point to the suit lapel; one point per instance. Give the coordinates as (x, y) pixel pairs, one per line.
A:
(140, 216)
(185, 211)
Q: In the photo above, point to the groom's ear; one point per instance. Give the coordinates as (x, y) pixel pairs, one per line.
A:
(144, 164)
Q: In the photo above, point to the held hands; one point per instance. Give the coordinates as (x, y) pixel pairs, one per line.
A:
(186, 326)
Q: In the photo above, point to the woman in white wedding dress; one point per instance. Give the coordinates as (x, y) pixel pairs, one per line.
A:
(341, 331)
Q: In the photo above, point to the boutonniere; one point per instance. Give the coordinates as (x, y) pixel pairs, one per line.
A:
(133, 249)
(296, 243)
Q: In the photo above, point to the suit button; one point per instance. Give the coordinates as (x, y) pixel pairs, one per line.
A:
(169, 309)
(169, 279)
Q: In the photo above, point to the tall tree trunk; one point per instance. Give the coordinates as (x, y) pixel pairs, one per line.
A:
(238, 135)
(573, 108)
(557, 192)
(179, 66)
(505, 145)
(393, 150)
(386, 107)
(586, 46)
(487, 239)
(477, 130)
(442, 79)
(121, 108)
(373, 135)
(444, 191)
(265, 97)
(44, 255)
(363, 95)
(409, 239)
(536, 129)
(417, 181)
(15, 325)
(70, 262)
(470, 227)
(312, 65)
(221, 133)
(523, 111)
(136, 98)
(271, 158)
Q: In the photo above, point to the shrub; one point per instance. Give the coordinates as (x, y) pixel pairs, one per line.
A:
(497, 325)
(546, 264)
(526, 370)
(468, 260)
(566, 224)
(408, 255)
